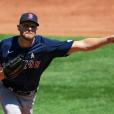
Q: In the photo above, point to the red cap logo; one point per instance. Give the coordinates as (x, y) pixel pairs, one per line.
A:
(30, 16)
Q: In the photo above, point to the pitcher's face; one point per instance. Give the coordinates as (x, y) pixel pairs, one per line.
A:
(27, 30)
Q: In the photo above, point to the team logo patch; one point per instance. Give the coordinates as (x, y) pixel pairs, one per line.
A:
(30, 16)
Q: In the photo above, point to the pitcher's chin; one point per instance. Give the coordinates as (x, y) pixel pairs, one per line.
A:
(29, 37)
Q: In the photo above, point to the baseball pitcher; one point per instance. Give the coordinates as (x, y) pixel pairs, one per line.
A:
(23, 58)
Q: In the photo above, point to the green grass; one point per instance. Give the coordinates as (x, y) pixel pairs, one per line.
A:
(82, 83)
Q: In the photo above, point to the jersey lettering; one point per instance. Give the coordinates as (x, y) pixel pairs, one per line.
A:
(31, 64)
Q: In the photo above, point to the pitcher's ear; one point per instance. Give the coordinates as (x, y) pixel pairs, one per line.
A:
(18, 27)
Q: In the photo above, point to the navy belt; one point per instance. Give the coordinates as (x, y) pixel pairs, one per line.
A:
(23, 93)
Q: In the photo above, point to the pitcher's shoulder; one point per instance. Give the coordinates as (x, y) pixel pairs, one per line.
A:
(7, 41)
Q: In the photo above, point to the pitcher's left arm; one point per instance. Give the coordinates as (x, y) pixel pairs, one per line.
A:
(89, 44)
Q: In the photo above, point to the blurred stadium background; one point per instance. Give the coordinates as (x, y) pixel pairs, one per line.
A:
(61, 17)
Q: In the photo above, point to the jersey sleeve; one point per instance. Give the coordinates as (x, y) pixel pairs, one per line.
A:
(58, 48)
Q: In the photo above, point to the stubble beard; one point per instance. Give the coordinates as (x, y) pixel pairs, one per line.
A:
(29, 36)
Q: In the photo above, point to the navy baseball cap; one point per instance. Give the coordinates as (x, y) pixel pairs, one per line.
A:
(29, 17)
